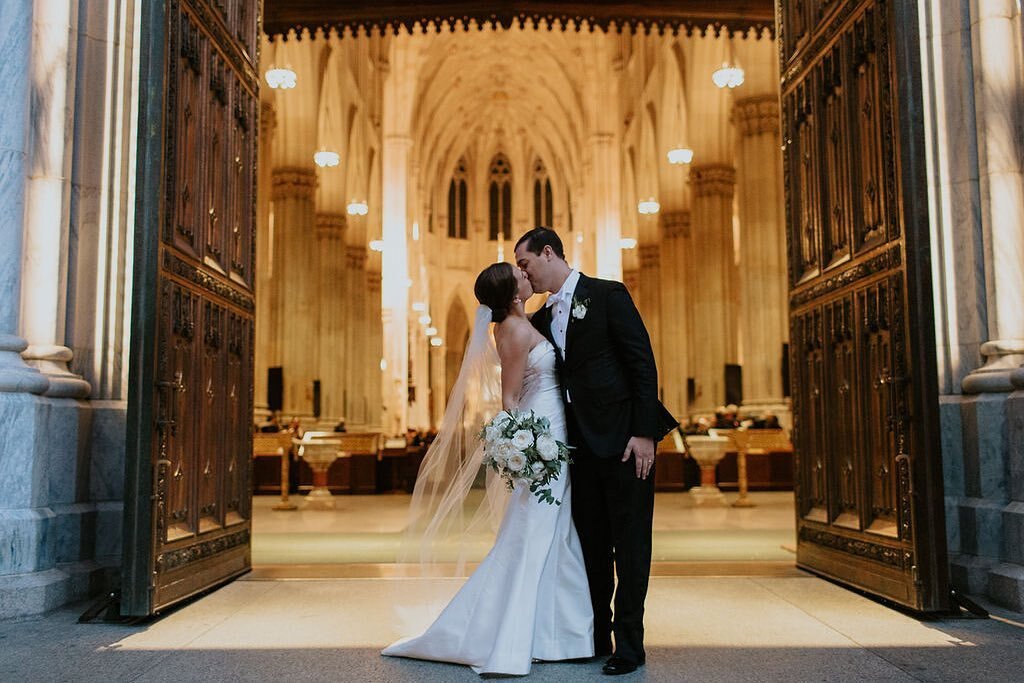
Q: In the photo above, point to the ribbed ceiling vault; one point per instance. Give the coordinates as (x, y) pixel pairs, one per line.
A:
(513, 83)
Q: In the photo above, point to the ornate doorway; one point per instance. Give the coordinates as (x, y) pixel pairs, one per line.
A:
(187, 497)
(869, 468)
(868, 473)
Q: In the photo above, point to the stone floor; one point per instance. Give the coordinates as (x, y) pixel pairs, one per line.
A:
(797, 628)
(367, 529)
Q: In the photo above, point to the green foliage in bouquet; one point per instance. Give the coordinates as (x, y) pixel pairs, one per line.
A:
(520, 448)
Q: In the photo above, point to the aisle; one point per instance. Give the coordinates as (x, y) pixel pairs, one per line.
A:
(367, 530)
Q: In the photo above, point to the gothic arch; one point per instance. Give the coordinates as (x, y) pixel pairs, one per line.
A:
(456, 336)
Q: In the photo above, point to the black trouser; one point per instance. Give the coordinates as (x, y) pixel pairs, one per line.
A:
(613, 511)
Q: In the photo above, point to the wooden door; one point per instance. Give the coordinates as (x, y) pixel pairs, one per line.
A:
(187, 494)
(862, 351)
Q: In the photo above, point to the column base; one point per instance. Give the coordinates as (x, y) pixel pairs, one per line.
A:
(982, 466)
(61, 509)
(23, 595)
(15, 375)
(1003, 359)
(52, 361)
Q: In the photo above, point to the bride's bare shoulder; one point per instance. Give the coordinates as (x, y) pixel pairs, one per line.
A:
(513, 334)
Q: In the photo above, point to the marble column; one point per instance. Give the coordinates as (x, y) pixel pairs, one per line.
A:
(714, 316)
(293, 290)
(605, 191)
(649, 301)
(437, 385)
(46, 212)
(15, 63)
(672, 364)
(330, 234)
(266, 316)
(395, 276)
(374, 352)
(357, 330)
(998, 79)
(764, 307)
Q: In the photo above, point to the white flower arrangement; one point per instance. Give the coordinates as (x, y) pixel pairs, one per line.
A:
(520, 448)
(579, 308)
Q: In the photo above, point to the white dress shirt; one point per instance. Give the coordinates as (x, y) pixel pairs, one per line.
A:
(561, 303)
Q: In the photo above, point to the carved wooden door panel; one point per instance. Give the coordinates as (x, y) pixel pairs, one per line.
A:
(187, 494)
(869, 471)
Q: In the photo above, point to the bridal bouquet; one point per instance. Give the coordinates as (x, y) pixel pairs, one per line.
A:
(520, 448)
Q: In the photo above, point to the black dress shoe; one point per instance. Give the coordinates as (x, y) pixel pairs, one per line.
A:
(617, 666)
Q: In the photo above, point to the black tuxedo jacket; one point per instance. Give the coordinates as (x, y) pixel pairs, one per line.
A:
(608, 368)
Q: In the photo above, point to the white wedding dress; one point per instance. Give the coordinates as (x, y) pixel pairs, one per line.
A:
(529, 599)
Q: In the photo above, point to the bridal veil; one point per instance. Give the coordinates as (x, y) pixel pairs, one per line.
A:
(457, 506)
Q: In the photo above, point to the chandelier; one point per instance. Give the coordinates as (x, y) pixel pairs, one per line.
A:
(627, 243)
(435, 341)
(280, 78)
(357, 208)
(326, 158)
(648, 207)
(729, 76)
(680, 155)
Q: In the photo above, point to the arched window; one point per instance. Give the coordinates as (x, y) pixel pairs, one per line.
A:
(500, 196)
(543, 204)
(457, 202)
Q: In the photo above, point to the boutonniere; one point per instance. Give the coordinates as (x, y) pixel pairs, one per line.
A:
(579, 308)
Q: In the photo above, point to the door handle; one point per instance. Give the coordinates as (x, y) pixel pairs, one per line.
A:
(164, 420)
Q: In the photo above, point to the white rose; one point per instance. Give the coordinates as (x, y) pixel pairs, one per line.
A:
(516, 462)
(522, 439)
(547, 447)
(539, 471)
(522, 483)
(492, 433)
(502, 420)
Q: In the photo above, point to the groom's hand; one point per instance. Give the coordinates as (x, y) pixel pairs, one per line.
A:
(642, 449)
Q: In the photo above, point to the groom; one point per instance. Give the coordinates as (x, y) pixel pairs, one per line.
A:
(610, 384)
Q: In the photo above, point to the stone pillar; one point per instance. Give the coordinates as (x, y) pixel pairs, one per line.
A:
(293, 292)
(395, 275)
(714, 316)
(357, 331)
(437, 386)
(764, 321)
(605, 190)
(15, 48)
(675, 342)
(44, 266)
(649, 301)
(374, 352)
(330, 235)
(266, 316)
(998, 79)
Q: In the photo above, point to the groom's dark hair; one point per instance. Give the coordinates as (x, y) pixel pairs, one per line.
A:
(541, 237)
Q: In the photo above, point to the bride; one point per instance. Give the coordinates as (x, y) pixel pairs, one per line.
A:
(528, 599)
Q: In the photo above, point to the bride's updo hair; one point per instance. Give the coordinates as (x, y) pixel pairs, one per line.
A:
(495, 288)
